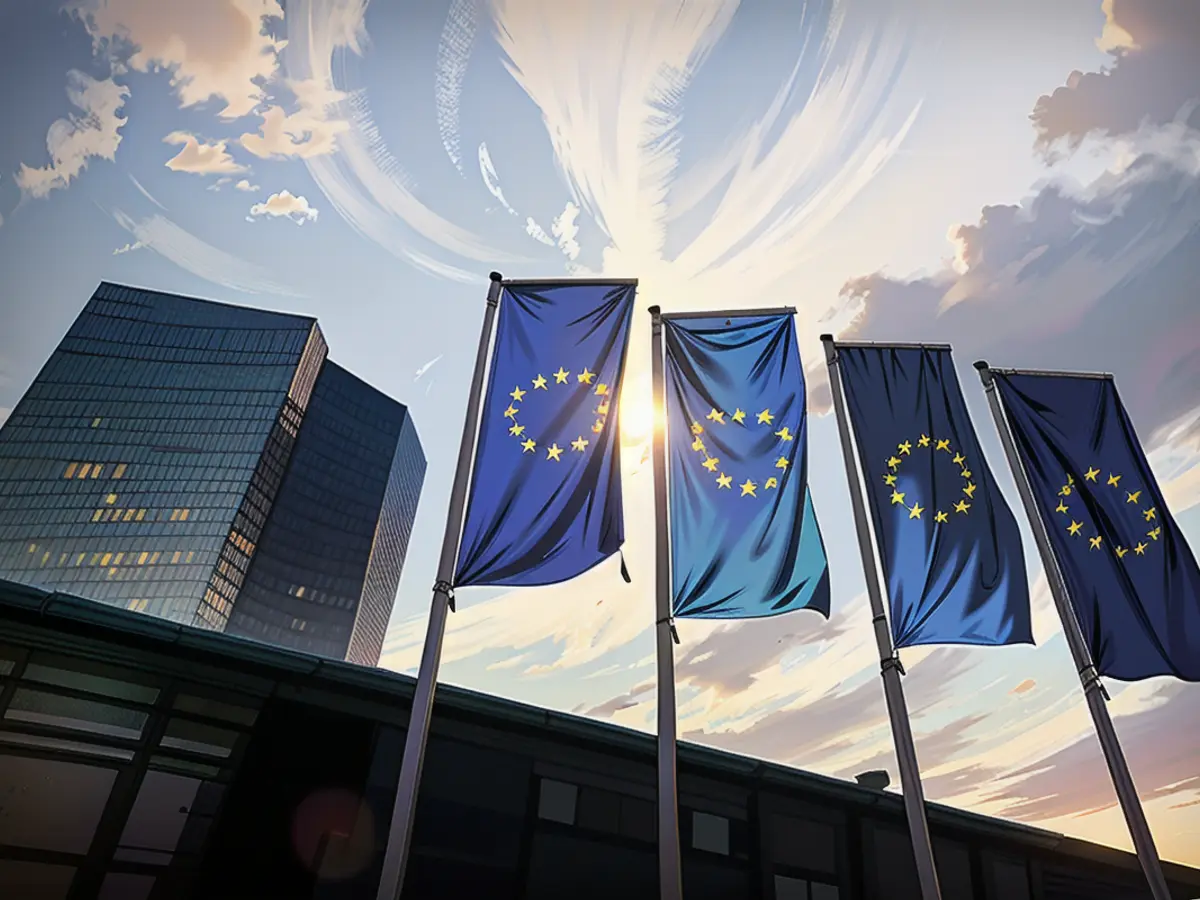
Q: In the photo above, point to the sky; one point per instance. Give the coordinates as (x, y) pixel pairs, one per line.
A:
(1020, 179)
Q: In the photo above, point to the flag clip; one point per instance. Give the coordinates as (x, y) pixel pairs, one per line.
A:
(892, 662)
(444, 587)
(1089, 676)
(624, 571)
(671, 625)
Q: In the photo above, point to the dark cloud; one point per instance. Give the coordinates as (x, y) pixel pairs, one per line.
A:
(1159, 743)
(951, 784)
(1104, 280)
(1150, 81)
(618, 703)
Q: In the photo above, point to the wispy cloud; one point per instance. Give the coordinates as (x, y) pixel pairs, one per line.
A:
(93, 132)
(425, 368)
(128, 248)
(160, 234)
(491, 180)
(145, 193)
(454, 50)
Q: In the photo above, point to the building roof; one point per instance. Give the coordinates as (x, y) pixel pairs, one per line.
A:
(30, 603)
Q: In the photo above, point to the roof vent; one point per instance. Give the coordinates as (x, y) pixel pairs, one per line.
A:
(876, 779)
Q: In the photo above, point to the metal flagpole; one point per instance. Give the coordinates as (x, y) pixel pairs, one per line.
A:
(1093, 688)
(889, 661)
(670, 878)
(395, 859)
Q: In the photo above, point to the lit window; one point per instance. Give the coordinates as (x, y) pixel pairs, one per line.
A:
(84, 469)
(129, 514)
(191, 553)
(300, 591)
(69, 472)
(183, 514)
(32, 547)
(154, 558)
(95, 559)
(97, 514)
(174, 515)
(96, 470)
(143, 557)
(45, 558)
(120, 471)
(175, 556)
(141, 514)
(80, 558)
(110, 499)
(96, 422)
(105, 559)
(117, 559)
(62, 560)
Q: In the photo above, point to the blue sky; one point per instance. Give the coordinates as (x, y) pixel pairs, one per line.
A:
(929, 170)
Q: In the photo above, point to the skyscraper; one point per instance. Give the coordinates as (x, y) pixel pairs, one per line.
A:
(208, 464)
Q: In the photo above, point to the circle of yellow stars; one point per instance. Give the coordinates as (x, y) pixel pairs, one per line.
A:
(541, 383)
(934, 445)
(1096, 541)
(749, 487)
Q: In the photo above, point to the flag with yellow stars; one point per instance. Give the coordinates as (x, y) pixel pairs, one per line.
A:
(948, 542)
(1130, 575)
(545, 497)
(744, 538)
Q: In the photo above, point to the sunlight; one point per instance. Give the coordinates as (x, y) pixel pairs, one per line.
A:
(637, 417)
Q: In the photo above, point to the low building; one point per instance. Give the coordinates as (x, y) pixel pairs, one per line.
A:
(141, 759)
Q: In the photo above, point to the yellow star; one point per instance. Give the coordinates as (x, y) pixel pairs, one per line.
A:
(1070, 479)
(924, 441)
(539, 383)
(579, 444)
(1140, 549)
(528, 445)
(915, 512)
(1121, 551)
(554, 452)
(738, 416)
(906, 447)
(1151, 513)
(598, 426)
(966, 473)
(943, 445)
(1113, 480)
(711, 463)
(602, 409)
(516, 430)
(893, 462)
(1132, 498)
(561, 376)
(959, 459)
(510, 412)
(698, 445)
(781, 463)
(602, 389)
(749, 488)
(969, 490)
(1066, 491)
(771, 482)
(1074, 527)
(897, 497)
(585, 377)
(1091, 474)
(940, 516)
(1062, 507)
(784, 434)
(716, 416)
(1095, 542)
(961, 506)
(697, 428)
(765, 417)
(724, 481)
(889, 480)
(1153, 535)
(518, 394)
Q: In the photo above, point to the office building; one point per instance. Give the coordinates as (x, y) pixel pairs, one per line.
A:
(144, 760)
(209, 464)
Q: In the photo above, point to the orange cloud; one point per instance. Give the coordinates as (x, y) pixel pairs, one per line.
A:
(1024, 687)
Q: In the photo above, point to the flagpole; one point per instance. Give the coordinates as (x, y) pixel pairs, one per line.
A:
(1093, 688)
(395, 859)
(889, 661)
(670, 878)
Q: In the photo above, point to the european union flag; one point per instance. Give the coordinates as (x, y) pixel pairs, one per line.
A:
(1130, 575)
(545, 498)
(948, 542)
(744, 539)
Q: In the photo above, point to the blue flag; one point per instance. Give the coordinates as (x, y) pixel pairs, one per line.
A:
(545, 499)
(744, 539)
(948, 542)
(1131, 577)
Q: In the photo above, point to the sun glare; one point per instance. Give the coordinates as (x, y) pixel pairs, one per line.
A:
(637, 418)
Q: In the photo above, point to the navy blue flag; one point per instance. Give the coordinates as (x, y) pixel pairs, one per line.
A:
(948, 542)
(545, 500)
(1130, 575)
(744, 539)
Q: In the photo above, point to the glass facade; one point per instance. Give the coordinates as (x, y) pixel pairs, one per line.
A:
(143, 466)
(325, 573)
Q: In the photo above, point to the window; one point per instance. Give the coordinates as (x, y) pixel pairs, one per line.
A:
(789, 888)
(69, 472)
(556, 801)
(710, 833)
(40, 708)
(119, 472)
(52, 805)
(197, 737)
(31, 879)
(96, 422)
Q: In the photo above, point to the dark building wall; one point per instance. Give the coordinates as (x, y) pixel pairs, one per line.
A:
(123, 467)
(327, 558)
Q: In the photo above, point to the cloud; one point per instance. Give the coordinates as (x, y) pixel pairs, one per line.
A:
(427, 366)
(215, 50)
(491, 180)
(454, 50)
(128, 248)
(1154, 75)
(145, 193)
(199, 158)
(245, 185)
(94, 132)
(1100, 278)
(190, 253)
(565, 229)
(1025, 686)
(303, 134)
(285, 204)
